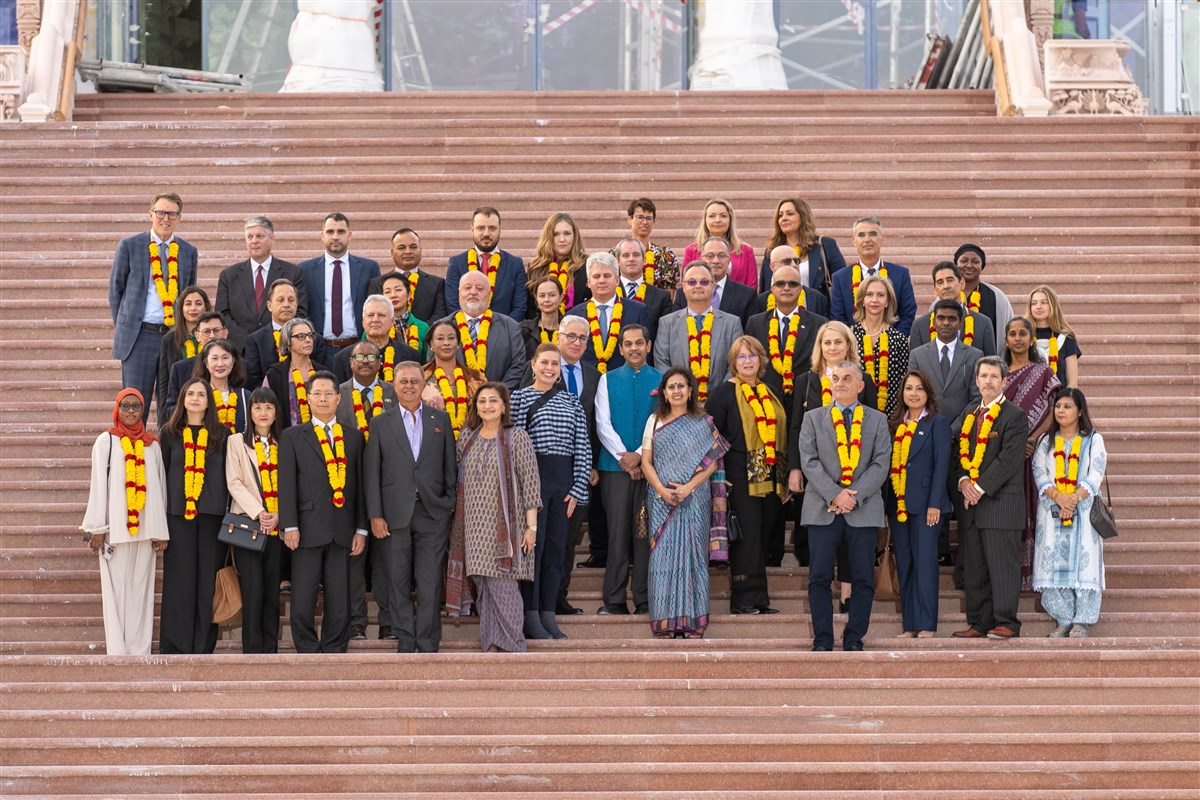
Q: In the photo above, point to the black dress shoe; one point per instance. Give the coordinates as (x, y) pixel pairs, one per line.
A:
(852, 647)
(385, 632)
(744, 610)
(842, 607)
(644, 608)
(767, 610)
(358, 632)
(592, 563)
(565, 609)
(821, 648)
(614, 610)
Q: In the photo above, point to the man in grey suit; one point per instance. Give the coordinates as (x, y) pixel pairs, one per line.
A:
(671, 345)
(994, 503)
(948, 283)
(242, 290)
(838, 509)
(139, 312)
(505, 350)
(410, 475)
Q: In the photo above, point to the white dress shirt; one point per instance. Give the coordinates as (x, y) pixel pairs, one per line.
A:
(349, 326)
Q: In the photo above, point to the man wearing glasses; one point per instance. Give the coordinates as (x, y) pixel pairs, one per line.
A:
(811, 298)
(671, 346)
(641, 216)
(362, 389)
(728, 296)
(210, 326)
(148, 272)
(377, 329)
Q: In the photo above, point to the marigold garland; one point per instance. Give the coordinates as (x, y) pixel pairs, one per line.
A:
(360, 413)
(387, 365)
(604, 352)
(335, 462)
(801, 302)
(901, 443)
(856, 279)
(968, 332)
(1066, 468)
(782, 362)
(648, 270)
(877, 362)
(849, 450)
(1052, 353)
(972, 302)
(475, 353)
(191, 347)
(282, 357)
(970, 463)
(268, 475)
(168, 287)
(561, 273)
(493, 266)
(546, 336)
(700, 353)
(227, 409)
(826, 391)
(302, 394)
(413, 278)
(455, 396)
(135, 482)
(763, 408)
(412, 337)
(194, 452)
(639, 295)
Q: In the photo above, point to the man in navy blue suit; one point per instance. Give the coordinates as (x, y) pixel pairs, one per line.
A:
(139, 304)
(868, 241)
(505, 271)
(337, 284)
(602, 272)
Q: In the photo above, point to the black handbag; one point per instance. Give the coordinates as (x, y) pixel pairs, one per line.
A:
(733, 527)
(242, 531)
(1101, 516)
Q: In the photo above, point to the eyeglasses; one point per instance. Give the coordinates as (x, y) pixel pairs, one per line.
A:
(742, 358)
(715, 256)
(693, 282)
(130, 406)
(408, 381)
(210, 331)
(165, 214)
(787, 262)
(642, 218)
(322, 394)
(304, 337)
(787, 284)
(575, 338)
(361, 358)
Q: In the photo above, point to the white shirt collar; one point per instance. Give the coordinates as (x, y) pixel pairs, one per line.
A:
(344, 258)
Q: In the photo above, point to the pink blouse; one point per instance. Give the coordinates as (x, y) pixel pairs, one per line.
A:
(743, 268)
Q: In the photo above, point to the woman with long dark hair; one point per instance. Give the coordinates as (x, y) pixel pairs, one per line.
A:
(220, 363)
(180, 342)
(560, 255)
(819, 256)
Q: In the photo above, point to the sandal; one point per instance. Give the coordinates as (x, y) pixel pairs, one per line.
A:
(1079, 631)
(1059, 633)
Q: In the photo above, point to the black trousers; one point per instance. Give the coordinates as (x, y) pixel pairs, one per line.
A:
(190, 565)
(992, 576)
(329, 566)
(824, 541)
(623, 498)
(541, 594)
(258, 574)
(747, 557)
(416, 555)
(373, 560)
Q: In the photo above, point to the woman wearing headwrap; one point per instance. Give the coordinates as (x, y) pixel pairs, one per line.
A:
(982, 298)
(126, 525)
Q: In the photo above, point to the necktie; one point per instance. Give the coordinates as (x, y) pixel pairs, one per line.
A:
(366, 402)
(945, 362)
(717, 297)
(335, 299)
(603, 323)
(259, 287)
(473, 326)
(631, 289)
(699, 322)
(329, 435)
(979, 415)
(572, 386)
(871, 272)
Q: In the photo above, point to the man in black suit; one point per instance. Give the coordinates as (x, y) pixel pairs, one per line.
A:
(323, 519)
(410, 474)
(364, 397)
(728, 296)
(242, 288)
(809, 297)
(337, 283)
(505, 352)
(210, 326)
(377, 326)
(428, 292)
(604, 303)
(993, 499)
(631, 260)
(262, 346)
(788, 328)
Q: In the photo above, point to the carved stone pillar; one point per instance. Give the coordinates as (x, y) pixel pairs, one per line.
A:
(1088, 76)
(12, 80)
(29, 22)
(1041, 22)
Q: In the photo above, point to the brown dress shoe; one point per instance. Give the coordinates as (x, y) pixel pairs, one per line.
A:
(969, 633)
(1002, 632)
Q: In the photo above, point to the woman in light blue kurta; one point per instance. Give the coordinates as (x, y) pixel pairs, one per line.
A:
(1068, 558)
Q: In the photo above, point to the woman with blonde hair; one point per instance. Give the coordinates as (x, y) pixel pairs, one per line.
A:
(561, 255)
(717, 220)
(1054, 337)
(883, 346)
(819, 256)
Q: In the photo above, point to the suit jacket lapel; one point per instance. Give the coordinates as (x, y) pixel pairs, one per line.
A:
(310, 436)
(427, 433)
(401, 433)
(920, 437)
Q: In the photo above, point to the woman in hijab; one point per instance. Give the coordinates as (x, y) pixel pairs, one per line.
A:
(126, 524)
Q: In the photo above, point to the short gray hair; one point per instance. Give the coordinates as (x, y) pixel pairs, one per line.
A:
(378, 300)
(698, 265)
(285, 335)
(720, 239)
(408, 365)
(850, 365)
(260, 222)
(604, 259)
(572, 319)
(872, 220)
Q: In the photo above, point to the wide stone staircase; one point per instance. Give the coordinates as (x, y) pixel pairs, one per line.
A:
(1105, 210)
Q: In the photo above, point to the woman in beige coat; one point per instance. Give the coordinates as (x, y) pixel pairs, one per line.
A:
(126, 525)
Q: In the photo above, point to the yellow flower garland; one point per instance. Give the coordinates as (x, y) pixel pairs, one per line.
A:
(455, 396)
(870, 359)
(826, 391)
(968, 333)
(648, 270)
(475, 353)
(268, 475)
(782, 362)
(700, 353)
(191, 347)
(1066, 468)
(282, 357)
(387, 365)
(560, 273)
(413, 278)
(193, 470)
(901, 443)
(227, 409)
(856, 279)
(604, 352)
(639, 295)
(302, 394)
(168, 286)
(849, 450)
(551, 337)
(493, 266)
(360, 413)
(412, 337)
(761, 404)
(972, 302)
(1052, 352)
(801, 302)
(970, 463)
(335, 462)
(135, 482)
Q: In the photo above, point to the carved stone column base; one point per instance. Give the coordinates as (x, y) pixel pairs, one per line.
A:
(1088, 76)
(12, 79)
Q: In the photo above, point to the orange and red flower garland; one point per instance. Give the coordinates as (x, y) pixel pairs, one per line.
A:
(194, 452)
(763, 407)
(226, 403)
(877, 362)
(168, 286)
(268, 475)
(135, 482)
(604, 352)
(455, 396)
(302, 394)
(475, 353)
(849, 449)
(901, 443)
(360, 413)
(335, 462)
(700, 353)
(782, 362)
(970, 462)
(1066, 468)
(493, 266)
